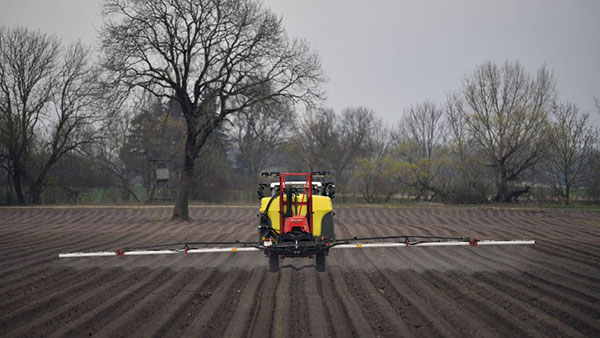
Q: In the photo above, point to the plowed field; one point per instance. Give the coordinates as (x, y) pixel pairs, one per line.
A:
(550, 289)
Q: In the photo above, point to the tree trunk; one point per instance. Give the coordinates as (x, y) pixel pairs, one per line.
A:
(8, 188)
(181, 211)
(506, 195)
(502, 194)
(36, 194)
(126, 192)
(568, 194)
(16, 178)
(38, 185)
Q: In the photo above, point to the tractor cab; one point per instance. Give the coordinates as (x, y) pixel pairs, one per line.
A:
(296, 220)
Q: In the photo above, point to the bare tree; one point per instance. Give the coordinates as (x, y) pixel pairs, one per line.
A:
(571, 151)
(357, 128)
(375, 173)
(27, 65)
(258, 135)
(112, 155)
(469, 183)
(46, 96)
(73, 118)
(507, 115)
(419, 137)
(460, 139)
(324, 140)
(214, 57)
(313, 141)
(423, 125)
(593, 180)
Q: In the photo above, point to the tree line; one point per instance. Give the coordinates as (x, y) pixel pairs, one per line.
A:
(216, 87)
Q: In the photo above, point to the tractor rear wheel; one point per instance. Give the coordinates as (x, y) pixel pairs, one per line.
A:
(273, 262)
(320, 262)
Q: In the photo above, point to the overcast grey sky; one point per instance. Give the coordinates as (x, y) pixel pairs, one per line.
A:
(388, 54)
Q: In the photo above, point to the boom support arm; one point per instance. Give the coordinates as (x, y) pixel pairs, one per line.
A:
(358, 243)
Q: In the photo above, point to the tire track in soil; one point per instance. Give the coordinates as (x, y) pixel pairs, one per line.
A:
(174, 308)
(281, 314)
(384, 317)
(201, 326)
(355, 314)
(238, 325)
(340, 322)
(318, 317)
(298, 310)
(223, 317)
(175, 323)
(259, 325)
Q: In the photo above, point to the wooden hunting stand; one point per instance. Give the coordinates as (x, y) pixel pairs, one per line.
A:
(161, 181)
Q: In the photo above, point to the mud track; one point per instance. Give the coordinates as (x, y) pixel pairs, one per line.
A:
(550, 289)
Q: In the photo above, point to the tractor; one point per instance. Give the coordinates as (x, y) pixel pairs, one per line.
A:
(297, 219)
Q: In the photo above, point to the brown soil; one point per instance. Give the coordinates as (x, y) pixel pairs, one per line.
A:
(550, 289)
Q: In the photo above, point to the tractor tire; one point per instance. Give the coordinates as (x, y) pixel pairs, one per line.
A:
(320, 262)
(327, 228)
(273, 263)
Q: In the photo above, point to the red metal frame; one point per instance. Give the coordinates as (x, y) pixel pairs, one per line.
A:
(308, 201)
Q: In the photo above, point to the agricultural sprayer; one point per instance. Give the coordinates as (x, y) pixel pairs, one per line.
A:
(296, 219)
